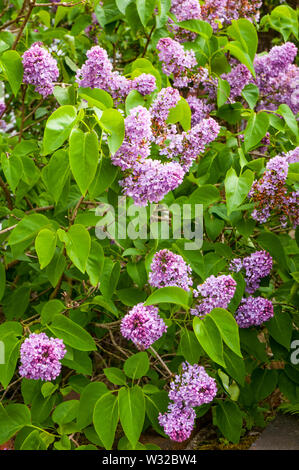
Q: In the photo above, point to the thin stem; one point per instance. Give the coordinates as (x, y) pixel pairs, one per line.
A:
(161, 361)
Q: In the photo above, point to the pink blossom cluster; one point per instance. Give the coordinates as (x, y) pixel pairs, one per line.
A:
(143, 326)
(40, 69)
(97, 72)
(256, 266)
(270, 194)
(169, 269)
(41, 356)
(215, 292)
(192, 387)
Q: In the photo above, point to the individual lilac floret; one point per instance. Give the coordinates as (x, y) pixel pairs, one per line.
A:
(144, 83)
(166, 99)
(193, 387)
(216, 292)
(136, 144)
(257, 266)
(175, 60)
(143, 326)
(40, 69)
(178, 422)
(152, 180)
(2, 107)
(169, 269)
(254, 311)
(41, 356)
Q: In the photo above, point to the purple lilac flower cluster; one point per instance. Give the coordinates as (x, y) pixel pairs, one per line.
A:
(166, 99)
(293, 156)
(187, 146)
(151, 180)
(136, 144)
(97, 72)
(221, 12)
(169, 269)
(253, 311)
(148, 180)
(193, 387)
(40, 69)
(176, 61)
(184, 10)
(200, 109)
(277, 78)
(270, 194)
(143, 326)
(256, 266)
(41, 356)
(238, 77)
(216, 292)
(178, 422)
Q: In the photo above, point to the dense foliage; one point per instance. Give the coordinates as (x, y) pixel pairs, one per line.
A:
(108, 108)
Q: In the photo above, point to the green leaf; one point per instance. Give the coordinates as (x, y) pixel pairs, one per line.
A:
(243, 31)
(115, 375)
(200, 27)
(271, 243)
(34, 440)
(206, 194)
(95, 263)
(237, 188)
(289, 118)
(77, 243)
(280, 328)
(251, 94)
(45, 244)
(90, 395)
(145, 10)
(13, 418)
(50, 309)
(237, 51)
(137, 365)
(132, 412)
(122, 5)
(84, 157)
(209, 338)
(251, 344)
(109, 277)
(223, 92)
(10, 349)
(228, 418)
(58, 164)
(180, 113)
(71, 333)
(58, 128)
(56, 268)
(235, 366)
(106, 411)
(227, 327)
(173, 295)
(263, 383)
(13, 170)
(113, 123)
(96, 97)
(256, 129)
(189, 347)
(104, 178)
(65, 412)
(13, 68)
(25, 232)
